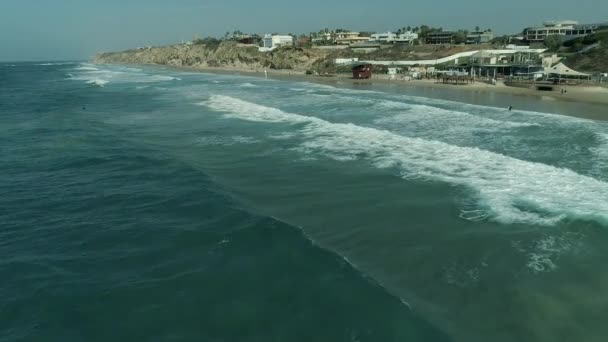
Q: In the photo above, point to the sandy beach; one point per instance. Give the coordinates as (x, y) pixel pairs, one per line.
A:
(585, 94)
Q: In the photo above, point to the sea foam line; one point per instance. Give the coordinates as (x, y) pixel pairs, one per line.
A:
(509, 190)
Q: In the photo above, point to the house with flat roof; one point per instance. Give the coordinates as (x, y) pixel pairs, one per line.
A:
(272, 42)
(346, 38)
(438, 38)
(393, 38)
(479, 37)
(568, 29)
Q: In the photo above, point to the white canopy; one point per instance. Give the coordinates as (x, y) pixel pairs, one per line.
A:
(561, 69)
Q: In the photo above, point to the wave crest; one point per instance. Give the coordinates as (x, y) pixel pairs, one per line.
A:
(508, 190)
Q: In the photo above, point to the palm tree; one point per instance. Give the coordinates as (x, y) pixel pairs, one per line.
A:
(476, 28)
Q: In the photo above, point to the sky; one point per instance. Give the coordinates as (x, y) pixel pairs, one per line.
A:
(45, 30)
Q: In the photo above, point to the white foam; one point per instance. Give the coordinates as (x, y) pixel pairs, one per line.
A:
(545, 252)
(508, 190)
(444, 119)
(282, 136)
(157, 78)
(91, 74)
(86, 68)
(98, 81)
(248, 85)
(601, 151)
(530, 116)
(58, 63)
(217, 140)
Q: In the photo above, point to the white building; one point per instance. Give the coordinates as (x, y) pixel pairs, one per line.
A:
(340, 38)
(343, 61)
(272, 42)
(346, 38)
(391, 38)
(325, 37)
(569, 29)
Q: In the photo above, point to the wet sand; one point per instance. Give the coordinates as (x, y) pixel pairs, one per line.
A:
(585, 102)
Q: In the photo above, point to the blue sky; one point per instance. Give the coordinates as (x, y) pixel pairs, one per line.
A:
(77, 29)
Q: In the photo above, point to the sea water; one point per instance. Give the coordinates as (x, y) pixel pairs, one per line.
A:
(143, 203)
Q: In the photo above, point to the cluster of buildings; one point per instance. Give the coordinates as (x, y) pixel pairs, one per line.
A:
(368, 42)
(350, 38)
(515, 64)
(568, 29)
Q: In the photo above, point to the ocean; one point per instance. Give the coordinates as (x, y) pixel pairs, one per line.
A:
(144, 203)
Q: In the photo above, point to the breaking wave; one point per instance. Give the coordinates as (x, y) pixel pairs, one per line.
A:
(56, 63)
(98, 82)
(93, 75)
(507, 190)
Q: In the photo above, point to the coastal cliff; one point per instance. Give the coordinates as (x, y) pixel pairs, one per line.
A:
(223, 55)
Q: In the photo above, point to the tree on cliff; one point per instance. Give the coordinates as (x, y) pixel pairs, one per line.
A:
(460, 37)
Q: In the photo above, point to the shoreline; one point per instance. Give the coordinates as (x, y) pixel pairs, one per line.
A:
(582, 94)
(593, 98)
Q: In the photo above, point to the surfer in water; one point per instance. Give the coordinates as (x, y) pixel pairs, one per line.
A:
(510, 108)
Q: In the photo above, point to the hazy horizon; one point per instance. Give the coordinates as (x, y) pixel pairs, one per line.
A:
(34, 30)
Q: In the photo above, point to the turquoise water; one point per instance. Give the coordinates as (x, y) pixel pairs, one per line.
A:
(142, 203)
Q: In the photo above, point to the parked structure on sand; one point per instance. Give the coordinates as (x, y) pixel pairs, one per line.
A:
(344, 61)
(568, 29)
(362, 70)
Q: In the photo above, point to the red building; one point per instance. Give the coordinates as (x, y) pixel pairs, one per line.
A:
(362, 70)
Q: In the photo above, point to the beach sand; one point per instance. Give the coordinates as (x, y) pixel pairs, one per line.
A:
(579, 101)
(588, 94)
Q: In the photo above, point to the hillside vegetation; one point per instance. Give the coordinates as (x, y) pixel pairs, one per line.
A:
(588, 54)
(225, 54)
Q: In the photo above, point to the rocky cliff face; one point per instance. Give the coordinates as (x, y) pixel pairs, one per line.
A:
(224, 55)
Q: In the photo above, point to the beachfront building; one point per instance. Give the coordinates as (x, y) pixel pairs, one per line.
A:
(272, 42)
(439, 38)
(569, 29)
(479, 37)
(492, 65)
(362, 70)
(393, 38)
